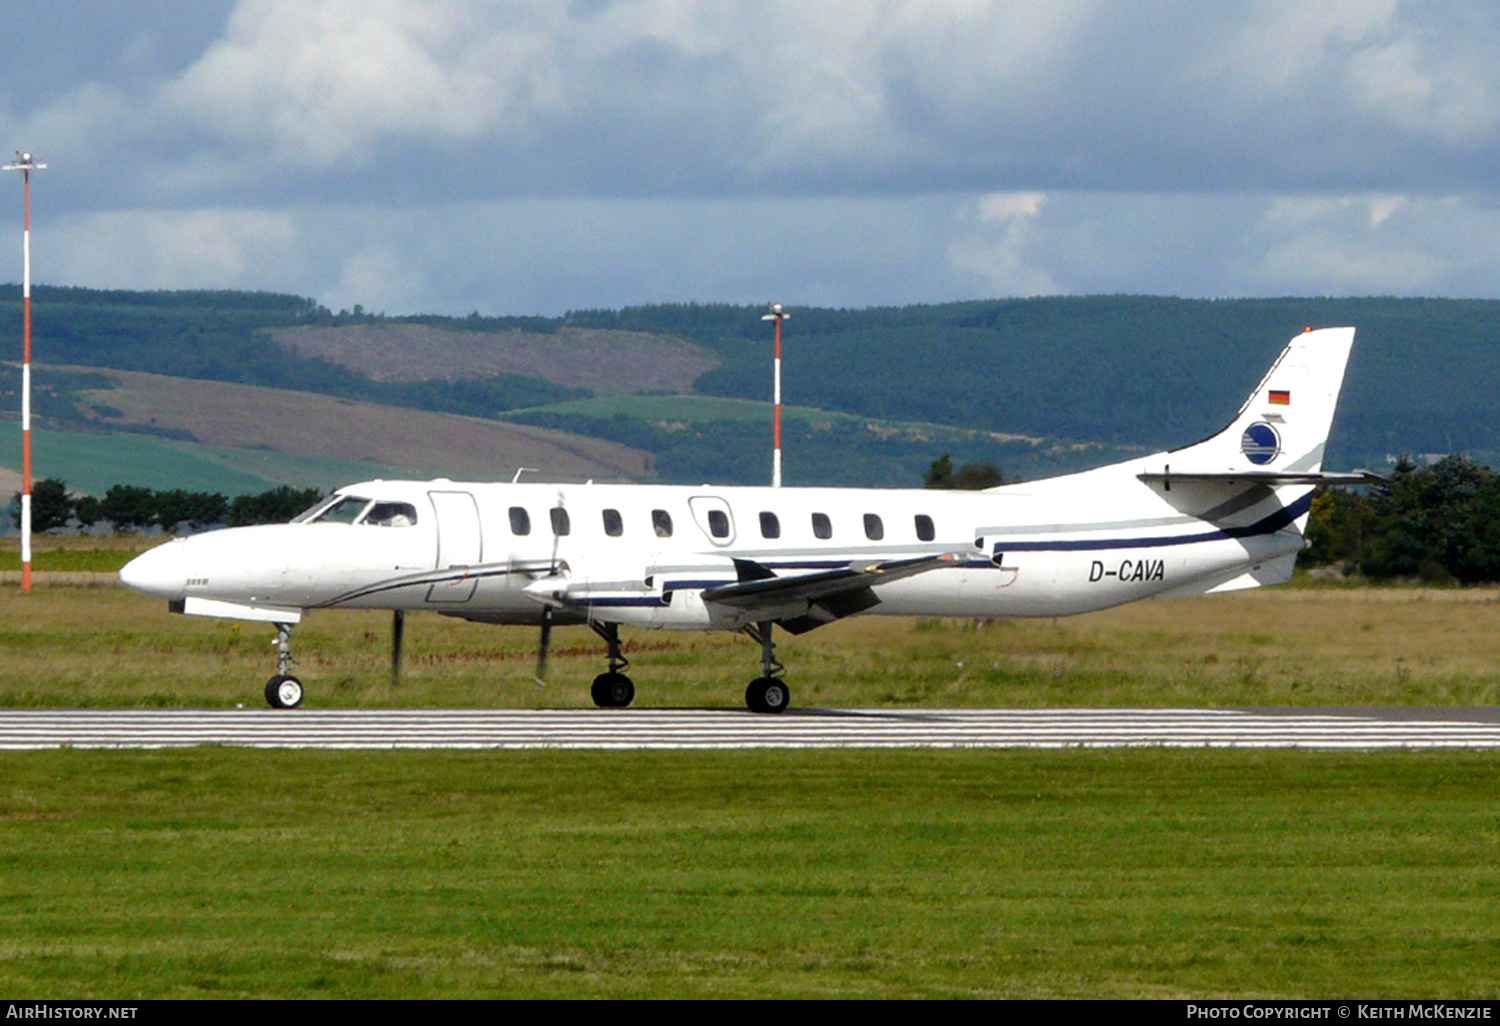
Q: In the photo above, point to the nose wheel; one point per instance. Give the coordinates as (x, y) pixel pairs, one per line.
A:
(284, 691)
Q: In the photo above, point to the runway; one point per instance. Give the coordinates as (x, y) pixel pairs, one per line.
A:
(1475, 728)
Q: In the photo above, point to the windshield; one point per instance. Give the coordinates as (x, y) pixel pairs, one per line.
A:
(313, 510)
(345, 510)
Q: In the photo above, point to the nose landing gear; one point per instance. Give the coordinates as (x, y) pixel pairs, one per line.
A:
(284, 691)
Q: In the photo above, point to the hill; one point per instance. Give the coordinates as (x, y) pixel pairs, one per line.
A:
(239, 438)
(1081, 379)
(597, 360)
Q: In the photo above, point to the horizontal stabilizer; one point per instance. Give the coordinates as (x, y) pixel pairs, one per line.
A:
(1268, 477)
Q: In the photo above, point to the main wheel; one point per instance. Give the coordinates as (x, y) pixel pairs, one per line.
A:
(612, 691)
(768, 695)
(284, 691)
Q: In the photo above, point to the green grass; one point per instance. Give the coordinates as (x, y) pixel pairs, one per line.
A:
(82, 646)
(221, 872)
(691, 409)
(1155, 873)
(702, 409)
(69, 560)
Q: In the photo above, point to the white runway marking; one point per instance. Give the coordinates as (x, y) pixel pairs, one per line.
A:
(714, 729)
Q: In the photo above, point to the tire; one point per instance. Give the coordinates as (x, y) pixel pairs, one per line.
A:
(768, 695)
(612, 691)
(284, 691)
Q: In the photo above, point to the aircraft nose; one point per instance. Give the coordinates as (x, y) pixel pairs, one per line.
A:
(158, 572)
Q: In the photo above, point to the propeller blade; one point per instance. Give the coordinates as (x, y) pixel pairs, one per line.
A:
(544, 645)
(398, 632)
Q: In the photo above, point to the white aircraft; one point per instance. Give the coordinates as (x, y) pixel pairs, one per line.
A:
(1223, 514)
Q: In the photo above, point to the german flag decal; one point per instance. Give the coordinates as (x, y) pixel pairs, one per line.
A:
(1280, 398)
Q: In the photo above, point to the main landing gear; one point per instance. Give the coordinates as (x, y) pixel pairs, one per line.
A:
(284, 691)
(767, 693)
(612, 689)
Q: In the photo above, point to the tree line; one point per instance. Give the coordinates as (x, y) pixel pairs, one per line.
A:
(1439, 524)
(132, 508)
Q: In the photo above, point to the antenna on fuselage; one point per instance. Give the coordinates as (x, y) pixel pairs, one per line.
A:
(520, 471)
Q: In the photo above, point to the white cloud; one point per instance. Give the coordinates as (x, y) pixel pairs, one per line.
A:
(519, 155)
(1323, 263)
(318, 83)
(997, 251)
(170, 249)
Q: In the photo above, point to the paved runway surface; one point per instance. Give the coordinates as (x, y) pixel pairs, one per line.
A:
(723, 728)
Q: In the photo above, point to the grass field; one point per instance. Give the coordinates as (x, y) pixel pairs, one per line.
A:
(104, 646)
(221, 873)
(1083, 873)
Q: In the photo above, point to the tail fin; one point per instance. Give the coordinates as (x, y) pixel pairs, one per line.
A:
(1283, 426)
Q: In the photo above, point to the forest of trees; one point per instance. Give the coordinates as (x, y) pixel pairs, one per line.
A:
(1438, 524)
(1123, 370)
(128, 508)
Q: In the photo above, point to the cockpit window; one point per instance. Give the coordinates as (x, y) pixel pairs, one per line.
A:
(345, 511)
(391, 514)
(312, 511)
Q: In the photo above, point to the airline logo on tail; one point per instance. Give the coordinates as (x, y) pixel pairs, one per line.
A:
(1260, 443)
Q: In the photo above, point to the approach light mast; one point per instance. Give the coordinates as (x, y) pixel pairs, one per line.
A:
(25, 164)
(777, 314)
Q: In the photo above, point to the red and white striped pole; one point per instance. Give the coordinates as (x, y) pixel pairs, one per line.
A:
(778, 315)
(25, 165)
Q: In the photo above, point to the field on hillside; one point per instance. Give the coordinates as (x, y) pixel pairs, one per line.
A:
(92, 463)
(68, 645)
(273, 423)
(601, 361)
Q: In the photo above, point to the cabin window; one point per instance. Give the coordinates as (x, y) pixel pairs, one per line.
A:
(718, 523)
(661, 523)
(925, 530)
(613, 525)
(561, 525)
(520, 521)
(822, 527)
(391, 514)
(345, 511)
(874, 529)
(770, 525)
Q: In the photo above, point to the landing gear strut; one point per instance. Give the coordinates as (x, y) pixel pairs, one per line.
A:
(767, 693)
(612, 689)
(284, 691)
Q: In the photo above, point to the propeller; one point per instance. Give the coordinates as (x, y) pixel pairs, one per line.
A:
(544, 643)
(398, 632)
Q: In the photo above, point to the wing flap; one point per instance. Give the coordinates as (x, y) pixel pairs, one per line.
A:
(825, 587)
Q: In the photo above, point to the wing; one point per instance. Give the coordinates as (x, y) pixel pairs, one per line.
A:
(803, 602)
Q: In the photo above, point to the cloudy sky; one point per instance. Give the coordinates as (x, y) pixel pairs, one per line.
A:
(535, 156)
